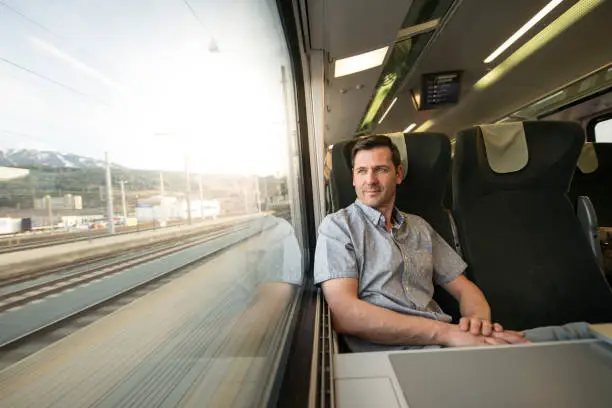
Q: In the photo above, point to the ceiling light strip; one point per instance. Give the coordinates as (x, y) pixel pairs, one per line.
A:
(426, 125)
(360, 62)
(521, 31)
(563, 22)
(388, 110)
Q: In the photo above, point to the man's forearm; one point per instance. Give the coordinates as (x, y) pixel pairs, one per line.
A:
(380, 325)
(472, 303)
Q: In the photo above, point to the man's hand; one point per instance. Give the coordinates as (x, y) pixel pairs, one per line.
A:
(510, 337)
(476, 325)
(455, 336)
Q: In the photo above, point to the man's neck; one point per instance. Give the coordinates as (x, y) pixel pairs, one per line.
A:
(387, 212)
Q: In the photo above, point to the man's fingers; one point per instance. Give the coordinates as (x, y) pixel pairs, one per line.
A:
(522, 334)
(475, 325)
(464, 324)
(510, 337)
(486, 328)
(497, 327)
(494, 341)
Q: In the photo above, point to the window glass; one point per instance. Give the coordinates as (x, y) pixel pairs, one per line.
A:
(149, 201)
(603, 131)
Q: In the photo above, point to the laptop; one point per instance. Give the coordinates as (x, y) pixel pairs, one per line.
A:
(560, 374)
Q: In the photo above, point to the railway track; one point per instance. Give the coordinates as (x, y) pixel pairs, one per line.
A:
(36, 339)
(97, 259)
(79, 277)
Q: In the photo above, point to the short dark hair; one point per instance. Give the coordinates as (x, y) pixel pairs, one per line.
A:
(373, 141)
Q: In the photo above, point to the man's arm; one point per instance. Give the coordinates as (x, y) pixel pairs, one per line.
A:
(473, 305)
(336, 269)
(354, 316)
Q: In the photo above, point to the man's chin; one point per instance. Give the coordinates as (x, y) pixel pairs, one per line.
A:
(370, 201)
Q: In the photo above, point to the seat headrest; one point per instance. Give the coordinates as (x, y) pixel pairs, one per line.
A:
(506, 146)
(588, 162)
(553, 148)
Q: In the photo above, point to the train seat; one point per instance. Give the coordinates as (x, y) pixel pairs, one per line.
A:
(421, 192)
(591, 190)
(519, 232)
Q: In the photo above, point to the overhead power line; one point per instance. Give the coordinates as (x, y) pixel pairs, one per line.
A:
(53, 81)
(212, 46)
(36, 23)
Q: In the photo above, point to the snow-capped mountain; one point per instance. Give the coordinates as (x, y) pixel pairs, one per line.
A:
(30, 157)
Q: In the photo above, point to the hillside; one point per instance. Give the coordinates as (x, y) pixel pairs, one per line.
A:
(89, 183)
(47, 158)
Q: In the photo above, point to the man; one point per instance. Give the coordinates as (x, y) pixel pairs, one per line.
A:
(377, 267)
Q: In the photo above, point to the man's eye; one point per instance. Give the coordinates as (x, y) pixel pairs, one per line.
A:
(361, 171)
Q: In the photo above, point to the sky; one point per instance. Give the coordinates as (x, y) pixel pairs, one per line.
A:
(150, 81)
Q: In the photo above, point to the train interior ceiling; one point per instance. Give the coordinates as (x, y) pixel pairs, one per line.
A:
(443, 36)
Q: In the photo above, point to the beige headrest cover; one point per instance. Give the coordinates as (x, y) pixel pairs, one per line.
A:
(587, 161)
(400, 142)
(506, 146)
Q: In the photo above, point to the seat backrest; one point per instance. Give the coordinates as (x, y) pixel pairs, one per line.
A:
(597, 185)
(421, 192)
(520, 235)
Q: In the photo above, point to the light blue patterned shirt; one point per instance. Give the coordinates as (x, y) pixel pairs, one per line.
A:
(396, 270)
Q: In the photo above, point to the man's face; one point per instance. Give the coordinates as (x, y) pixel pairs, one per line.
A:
(375, 177)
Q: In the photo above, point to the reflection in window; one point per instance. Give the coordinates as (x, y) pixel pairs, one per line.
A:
(148, 155)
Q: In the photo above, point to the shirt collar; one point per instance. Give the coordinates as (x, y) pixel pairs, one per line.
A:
(377, 217)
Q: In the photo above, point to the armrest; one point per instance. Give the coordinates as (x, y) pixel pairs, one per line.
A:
(588, 221)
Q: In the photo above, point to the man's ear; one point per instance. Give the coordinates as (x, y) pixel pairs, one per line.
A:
(399, 174)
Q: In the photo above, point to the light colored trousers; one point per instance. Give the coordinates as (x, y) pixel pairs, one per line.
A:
(570, 331)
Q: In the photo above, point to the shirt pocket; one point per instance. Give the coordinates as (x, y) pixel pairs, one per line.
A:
(418, 276)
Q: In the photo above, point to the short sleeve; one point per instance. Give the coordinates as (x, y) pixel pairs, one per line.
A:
(282, 259)
(448, 265)
(334, 254)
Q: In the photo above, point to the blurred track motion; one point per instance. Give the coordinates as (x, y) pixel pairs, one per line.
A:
(201, 329)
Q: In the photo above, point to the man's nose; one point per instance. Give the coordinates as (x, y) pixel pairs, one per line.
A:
(371, 178)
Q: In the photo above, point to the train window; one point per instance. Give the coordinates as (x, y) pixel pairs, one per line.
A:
(603, 131)
(151, 234)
